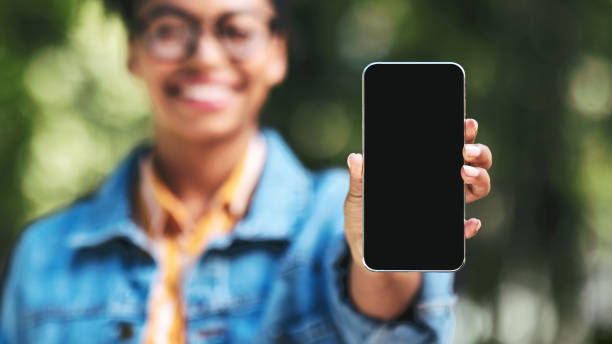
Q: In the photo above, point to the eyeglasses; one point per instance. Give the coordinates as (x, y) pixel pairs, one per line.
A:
(171, 35)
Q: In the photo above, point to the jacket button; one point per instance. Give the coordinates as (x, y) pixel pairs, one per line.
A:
(126, 331)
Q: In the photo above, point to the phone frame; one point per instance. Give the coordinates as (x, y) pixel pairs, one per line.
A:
(364, 168)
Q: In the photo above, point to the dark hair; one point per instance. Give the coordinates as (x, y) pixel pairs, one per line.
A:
(127, 10)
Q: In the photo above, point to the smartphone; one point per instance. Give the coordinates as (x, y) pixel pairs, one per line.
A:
(413, 194)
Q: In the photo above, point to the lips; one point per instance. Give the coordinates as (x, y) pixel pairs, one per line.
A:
(207, 96)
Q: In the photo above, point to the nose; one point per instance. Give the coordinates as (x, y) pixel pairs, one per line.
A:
(209, 51)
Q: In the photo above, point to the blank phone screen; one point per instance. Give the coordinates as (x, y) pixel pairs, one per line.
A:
(413, 194)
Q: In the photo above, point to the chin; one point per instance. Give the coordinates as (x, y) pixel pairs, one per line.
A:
(209, 129)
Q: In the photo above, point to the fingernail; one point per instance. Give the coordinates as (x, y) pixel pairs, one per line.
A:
(470, 171)
(348, 160)
(472, 150)
(479, 225)
(352, 156)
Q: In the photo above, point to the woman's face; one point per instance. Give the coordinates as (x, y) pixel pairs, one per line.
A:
(208, 64)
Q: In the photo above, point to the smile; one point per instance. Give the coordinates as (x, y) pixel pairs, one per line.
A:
(204, 96)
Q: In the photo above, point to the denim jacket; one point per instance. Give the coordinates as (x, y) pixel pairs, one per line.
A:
(82, 274)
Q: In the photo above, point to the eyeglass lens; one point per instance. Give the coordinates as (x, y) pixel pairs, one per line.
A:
(172, 37)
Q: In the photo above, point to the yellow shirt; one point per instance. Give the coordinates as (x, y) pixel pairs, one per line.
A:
(177, 240)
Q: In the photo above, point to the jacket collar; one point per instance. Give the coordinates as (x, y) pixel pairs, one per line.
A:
(279, 200)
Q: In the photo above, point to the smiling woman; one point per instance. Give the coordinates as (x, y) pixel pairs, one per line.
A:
(215, 230)
(208, 65)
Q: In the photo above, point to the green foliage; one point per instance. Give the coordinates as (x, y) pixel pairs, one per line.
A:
(26, 27)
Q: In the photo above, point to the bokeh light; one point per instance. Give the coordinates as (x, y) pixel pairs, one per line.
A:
(90, 111)
(591, 87)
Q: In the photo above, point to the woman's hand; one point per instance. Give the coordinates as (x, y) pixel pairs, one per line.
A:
(474, 173)
(386, 294)
(478, 160)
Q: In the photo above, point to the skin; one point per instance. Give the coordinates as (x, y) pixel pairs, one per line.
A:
(385, 295)
(195, 151)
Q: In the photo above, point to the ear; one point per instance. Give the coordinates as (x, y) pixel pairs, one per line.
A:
(277, 67)
(132, 59)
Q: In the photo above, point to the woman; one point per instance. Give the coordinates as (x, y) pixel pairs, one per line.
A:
(216, 231)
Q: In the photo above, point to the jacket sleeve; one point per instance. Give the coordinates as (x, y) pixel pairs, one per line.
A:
(11, 326)
(429, 319)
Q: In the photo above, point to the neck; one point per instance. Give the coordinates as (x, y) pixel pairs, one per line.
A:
(194, 170)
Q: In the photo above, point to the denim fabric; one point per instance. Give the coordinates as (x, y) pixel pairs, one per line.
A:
(82, 274)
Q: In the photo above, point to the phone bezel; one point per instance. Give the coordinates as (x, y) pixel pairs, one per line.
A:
(364, 165)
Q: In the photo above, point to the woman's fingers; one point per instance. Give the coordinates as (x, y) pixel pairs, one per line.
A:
(479, 159)
(471, 227)
(478, 155)
(470, 130)
(478, 180)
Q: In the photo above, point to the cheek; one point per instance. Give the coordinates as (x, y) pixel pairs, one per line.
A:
(255, 83)
(252, 96)
(156, 77)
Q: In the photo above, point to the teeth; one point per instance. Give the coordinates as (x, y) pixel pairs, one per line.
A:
(206, 92)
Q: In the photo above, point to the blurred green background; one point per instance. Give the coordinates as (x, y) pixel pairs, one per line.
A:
(539, 81)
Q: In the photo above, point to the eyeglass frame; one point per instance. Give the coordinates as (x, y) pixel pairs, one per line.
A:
(140, 25)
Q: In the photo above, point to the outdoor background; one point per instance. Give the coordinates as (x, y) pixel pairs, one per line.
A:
(539, 81)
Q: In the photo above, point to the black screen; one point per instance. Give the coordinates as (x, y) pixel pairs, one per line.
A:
(412, 142)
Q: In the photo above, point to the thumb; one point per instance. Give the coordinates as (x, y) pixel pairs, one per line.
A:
(353, 206)
(355, 163)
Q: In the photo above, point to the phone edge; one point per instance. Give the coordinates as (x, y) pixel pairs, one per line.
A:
(364, 167)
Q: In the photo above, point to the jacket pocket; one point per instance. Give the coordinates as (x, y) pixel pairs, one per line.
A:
(313, 329)
(85, 324)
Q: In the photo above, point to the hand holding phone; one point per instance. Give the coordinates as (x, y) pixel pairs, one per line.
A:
(413, 215)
